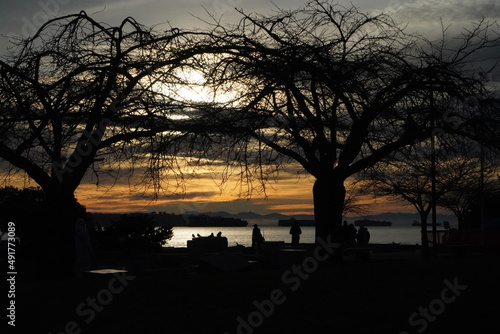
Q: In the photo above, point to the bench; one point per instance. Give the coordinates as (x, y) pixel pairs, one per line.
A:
(207, 244)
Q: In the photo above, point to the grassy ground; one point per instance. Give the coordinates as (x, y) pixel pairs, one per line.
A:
(376, 296)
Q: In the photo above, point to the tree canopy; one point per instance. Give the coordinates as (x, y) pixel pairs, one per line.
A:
(337, 90)
(80, 95)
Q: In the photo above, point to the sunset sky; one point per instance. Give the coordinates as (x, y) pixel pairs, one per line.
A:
(293, 193)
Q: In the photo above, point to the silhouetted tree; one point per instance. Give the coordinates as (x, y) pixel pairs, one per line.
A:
(467, 196)
(81, 94)
(336, 91)
(137, 230)
(406, 175)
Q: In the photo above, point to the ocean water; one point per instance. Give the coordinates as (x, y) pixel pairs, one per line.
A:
(409, 235)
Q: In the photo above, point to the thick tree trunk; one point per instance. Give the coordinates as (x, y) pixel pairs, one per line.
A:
(425, 238)
(461, 220)
(329, 195)
(58, 251)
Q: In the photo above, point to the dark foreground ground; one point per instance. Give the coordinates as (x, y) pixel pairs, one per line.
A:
(461, 295)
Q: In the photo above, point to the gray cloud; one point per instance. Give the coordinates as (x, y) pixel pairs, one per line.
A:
(177, 196)
(21, 18)
(428, 17)
(449, 10)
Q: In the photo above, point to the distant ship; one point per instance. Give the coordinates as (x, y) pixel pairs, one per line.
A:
(368, 222)
(301, 222)
(207, 221)
(416, 223)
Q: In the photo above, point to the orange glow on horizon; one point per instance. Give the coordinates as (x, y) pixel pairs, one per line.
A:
(289, 196)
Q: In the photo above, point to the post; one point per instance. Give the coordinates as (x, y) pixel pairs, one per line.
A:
(481, 186)
(433, 180)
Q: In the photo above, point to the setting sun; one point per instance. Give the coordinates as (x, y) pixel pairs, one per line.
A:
(192, 88)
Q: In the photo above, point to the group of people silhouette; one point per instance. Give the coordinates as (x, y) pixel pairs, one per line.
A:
(211, 235)
(351, 237)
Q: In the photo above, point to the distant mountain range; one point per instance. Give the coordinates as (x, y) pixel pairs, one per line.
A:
(404, 219)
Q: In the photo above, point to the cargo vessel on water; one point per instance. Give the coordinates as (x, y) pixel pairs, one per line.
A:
(368, 222)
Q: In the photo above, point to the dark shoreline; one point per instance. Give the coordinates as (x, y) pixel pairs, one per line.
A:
(376, 296)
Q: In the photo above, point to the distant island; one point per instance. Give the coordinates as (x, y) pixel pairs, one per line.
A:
(171, 219)
(202, 220)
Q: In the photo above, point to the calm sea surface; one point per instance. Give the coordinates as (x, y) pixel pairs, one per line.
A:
(243, 235)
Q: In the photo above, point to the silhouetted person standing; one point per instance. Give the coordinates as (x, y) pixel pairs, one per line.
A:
(257, 238)
(363, 236)
(295, 231)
